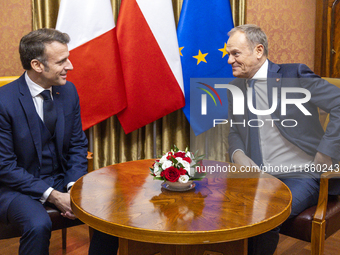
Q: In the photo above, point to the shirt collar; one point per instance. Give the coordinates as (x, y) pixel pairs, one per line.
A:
(262, 73)
(34, 88)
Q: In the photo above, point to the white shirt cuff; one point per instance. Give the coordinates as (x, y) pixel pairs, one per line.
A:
(46, 194)
(69, 186)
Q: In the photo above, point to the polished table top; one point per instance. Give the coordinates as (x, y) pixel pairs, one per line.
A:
(125, 201)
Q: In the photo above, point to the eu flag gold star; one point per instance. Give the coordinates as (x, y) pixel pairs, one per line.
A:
(224, 50)
(200, 57)
(180, 51)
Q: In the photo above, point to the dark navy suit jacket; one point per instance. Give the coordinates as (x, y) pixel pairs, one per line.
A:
(20, 141)
(308, 135)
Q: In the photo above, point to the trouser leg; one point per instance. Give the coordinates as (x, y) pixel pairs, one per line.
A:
(34, 223)
(264, 244)
(103, 244)
(305, 193)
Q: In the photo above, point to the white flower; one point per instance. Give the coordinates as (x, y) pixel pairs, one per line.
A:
(166, 164)
(193, 162)
(164, 158)
(183, 179)
(188, 154)
(191, 171)
(185, 164)
(157, 170)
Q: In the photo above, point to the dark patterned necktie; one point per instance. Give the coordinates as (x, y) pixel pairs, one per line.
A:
(255, 150)
(50, 114)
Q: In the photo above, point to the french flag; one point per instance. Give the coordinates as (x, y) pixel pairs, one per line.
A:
(151, 64)
(95, 57)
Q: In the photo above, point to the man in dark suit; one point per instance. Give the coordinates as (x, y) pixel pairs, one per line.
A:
(42, 145)
(287, 141)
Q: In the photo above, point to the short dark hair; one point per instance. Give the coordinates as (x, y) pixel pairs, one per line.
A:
(254, 35)
(32, 45)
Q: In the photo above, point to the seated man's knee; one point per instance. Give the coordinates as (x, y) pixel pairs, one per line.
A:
(39, 226)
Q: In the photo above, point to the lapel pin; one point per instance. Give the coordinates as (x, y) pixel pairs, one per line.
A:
(57, 93)
(277, 79)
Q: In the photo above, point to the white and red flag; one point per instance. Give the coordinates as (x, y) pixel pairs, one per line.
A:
(94, 54)
(151, 64)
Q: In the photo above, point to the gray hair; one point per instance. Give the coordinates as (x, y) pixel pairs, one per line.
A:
(32, 45)
(254, 36)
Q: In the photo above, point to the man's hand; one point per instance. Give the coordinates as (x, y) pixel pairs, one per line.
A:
(242, 159)
(63, 202)
(322, 160)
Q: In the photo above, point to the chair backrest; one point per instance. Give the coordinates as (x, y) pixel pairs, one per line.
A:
(7, 79)
(336, 82)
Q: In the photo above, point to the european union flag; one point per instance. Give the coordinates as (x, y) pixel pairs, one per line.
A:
(202, 36)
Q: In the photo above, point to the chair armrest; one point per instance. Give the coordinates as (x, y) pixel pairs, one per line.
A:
(89, 162)
(321, 207)
(7, 79)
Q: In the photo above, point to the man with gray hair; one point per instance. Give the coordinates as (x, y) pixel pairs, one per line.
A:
(281, 127)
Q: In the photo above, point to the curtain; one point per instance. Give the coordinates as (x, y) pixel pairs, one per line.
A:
(108, 141)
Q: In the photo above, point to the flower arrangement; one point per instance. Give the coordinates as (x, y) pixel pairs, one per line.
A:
(177, 166)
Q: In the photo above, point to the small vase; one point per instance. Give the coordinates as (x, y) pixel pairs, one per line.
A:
(177, 186)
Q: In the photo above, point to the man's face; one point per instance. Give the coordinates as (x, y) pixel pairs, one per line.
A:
(58, 64)
(244, 60)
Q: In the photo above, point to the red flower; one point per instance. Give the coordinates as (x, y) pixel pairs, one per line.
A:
(171, 174)
(180, 154)
(182, 171)
(187, 159)
(170, 155)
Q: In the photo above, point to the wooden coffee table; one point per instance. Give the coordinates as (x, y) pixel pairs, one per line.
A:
(218, 215)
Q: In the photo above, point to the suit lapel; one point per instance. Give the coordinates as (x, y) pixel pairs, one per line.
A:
(274, 80)
(31, 115)
(242, 84)
(246, 115)
(59, 130)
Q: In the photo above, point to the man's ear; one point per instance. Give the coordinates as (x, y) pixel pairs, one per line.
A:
(37, 65)
(259, 51)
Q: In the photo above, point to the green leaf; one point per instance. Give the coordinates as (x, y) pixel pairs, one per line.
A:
(158, 178)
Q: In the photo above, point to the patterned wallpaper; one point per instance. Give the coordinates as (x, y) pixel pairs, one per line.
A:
(15, 21)
(288, 24)
(290, 28)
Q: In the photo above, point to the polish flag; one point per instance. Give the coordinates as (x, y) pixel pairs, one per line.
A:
(94, 54)
(151, 64)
